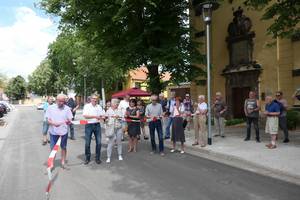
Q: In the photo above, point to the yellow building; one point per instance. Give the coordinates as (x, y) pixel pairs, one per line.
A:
(138, 78)
(242, 60)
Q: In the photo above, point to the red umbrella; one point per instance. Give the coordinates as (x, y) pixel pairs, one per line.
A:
(133, 92)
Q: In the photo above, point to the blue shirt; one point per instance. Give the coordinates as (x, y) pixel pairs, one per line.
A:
(273, 107)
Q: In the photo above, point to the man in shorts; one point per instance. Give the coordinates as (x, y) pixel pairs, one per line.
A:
(59, 116)
(272, 112)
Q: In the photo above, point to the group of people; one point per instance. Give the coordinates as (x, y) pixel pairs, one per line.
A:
(167, 117)
(275, 113)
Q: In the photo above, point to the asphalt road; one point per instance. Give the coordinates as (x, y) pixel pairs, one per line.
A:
(140, 176)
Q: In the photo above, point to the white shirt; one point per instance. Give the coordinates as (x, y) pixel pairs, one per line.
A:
(59, 115)
(111, 113)
(123, 106)
(178, 112)
(202, 106)
(96, 110)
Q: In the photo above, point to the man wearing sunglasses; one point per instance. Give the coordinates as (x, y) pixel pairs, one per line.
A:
(282, 117)
(94, 113)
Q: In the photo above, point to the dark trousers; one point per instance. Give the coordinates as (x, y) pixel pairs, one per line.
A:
(253, 120)
(283, 126)
(71, 126)
(89, 130)
(152, 126)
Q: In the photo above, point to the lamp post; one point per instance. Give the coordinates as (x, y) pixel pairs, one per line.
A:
(206, 8)
(84, 88)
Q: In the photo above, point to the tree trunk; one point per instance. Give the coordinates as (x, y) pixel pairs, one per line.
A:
(154, 83)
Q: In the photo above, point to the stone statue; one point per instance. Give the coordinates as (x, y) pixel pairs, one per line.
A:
(240, 25)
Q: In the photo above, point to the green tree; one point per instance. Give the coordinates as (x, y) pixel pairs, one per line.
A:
(16, 88)
(285, 15)
(41, 81)
(135, 32)
(72, 58)
(3, 81)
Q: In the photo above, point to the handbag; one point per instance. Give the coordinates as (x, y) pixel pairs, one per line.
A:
(110, 128)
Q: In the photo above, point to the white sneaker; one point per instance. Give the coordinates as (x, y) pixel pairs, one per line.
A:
(172, 150)
(108, 160)
(182, 152)
(120, 157)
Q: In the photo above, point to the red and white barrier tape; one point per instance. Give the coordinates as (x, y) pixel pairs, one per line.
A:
(84, 122)
(50, 165)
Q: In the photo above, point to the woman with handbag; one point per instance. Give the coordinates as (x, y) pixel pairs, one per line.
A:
(114, 129)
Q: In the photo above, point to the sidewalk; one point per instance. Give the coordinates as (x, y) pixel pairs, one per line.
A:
(282, 162)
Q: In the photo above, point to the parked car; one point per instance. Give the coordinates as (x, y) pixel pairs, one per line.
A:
(8, 106)
(40, 106)
(4, 108)
(1, 112)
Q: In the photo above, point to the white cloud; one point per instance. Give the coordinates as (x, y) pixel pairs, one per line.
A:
(23, 45)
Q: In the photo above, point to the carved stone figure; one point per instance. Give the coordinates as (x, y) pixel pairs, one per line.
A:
(240, 25)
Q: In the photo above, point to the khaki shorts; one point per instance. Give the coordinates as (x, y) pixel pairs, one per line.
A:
(272, 125)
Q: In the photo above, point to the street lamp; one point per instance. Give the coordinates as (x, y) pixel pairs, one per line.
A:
(84, 88)
(206, 8)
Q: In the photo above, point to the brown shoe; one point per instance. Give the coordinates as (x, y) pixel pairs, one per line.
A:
(194, 144)
(272, 147)
(269, 145)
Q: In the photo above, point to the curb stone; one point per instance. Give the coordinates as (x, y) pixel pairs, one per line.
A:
(240, 163)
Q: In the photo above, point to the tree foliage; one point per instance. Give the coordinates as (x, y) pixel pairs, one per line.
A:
(16, 88)
(135, 32)
(285, 16)
(3, 81)
(42, 80)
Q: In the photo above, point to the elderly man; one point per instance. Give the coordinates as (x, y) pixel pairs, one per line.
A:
(272, 112)
(200, 122)
(154, 112)
(219, 109)
(282, 117)
(94, 113)
(123, 105)
(251, 109)
(59, 117)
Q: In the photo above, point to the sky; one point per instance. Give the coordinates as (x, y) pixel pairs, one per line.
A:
(25, 33)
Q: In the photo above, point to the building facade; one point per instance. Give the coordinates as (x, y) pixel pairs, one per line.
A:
(245, 58)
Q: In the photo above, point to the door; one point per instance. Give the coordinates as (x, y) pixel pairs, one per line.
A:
(238, 98)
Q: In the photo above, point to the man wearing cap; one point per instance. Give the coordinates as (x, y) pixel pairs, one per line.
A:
(219, 108)
(94, 113)
(59, 116)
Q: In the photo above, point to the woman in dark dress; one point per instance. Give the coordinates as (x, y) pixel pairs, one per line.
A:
(134, 130)
(177, 125)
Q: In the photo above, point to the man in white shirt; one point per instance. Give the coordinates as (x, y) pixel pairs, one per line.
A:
(154, 111)
(124, 104)
(200, 122)
(94, 113)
